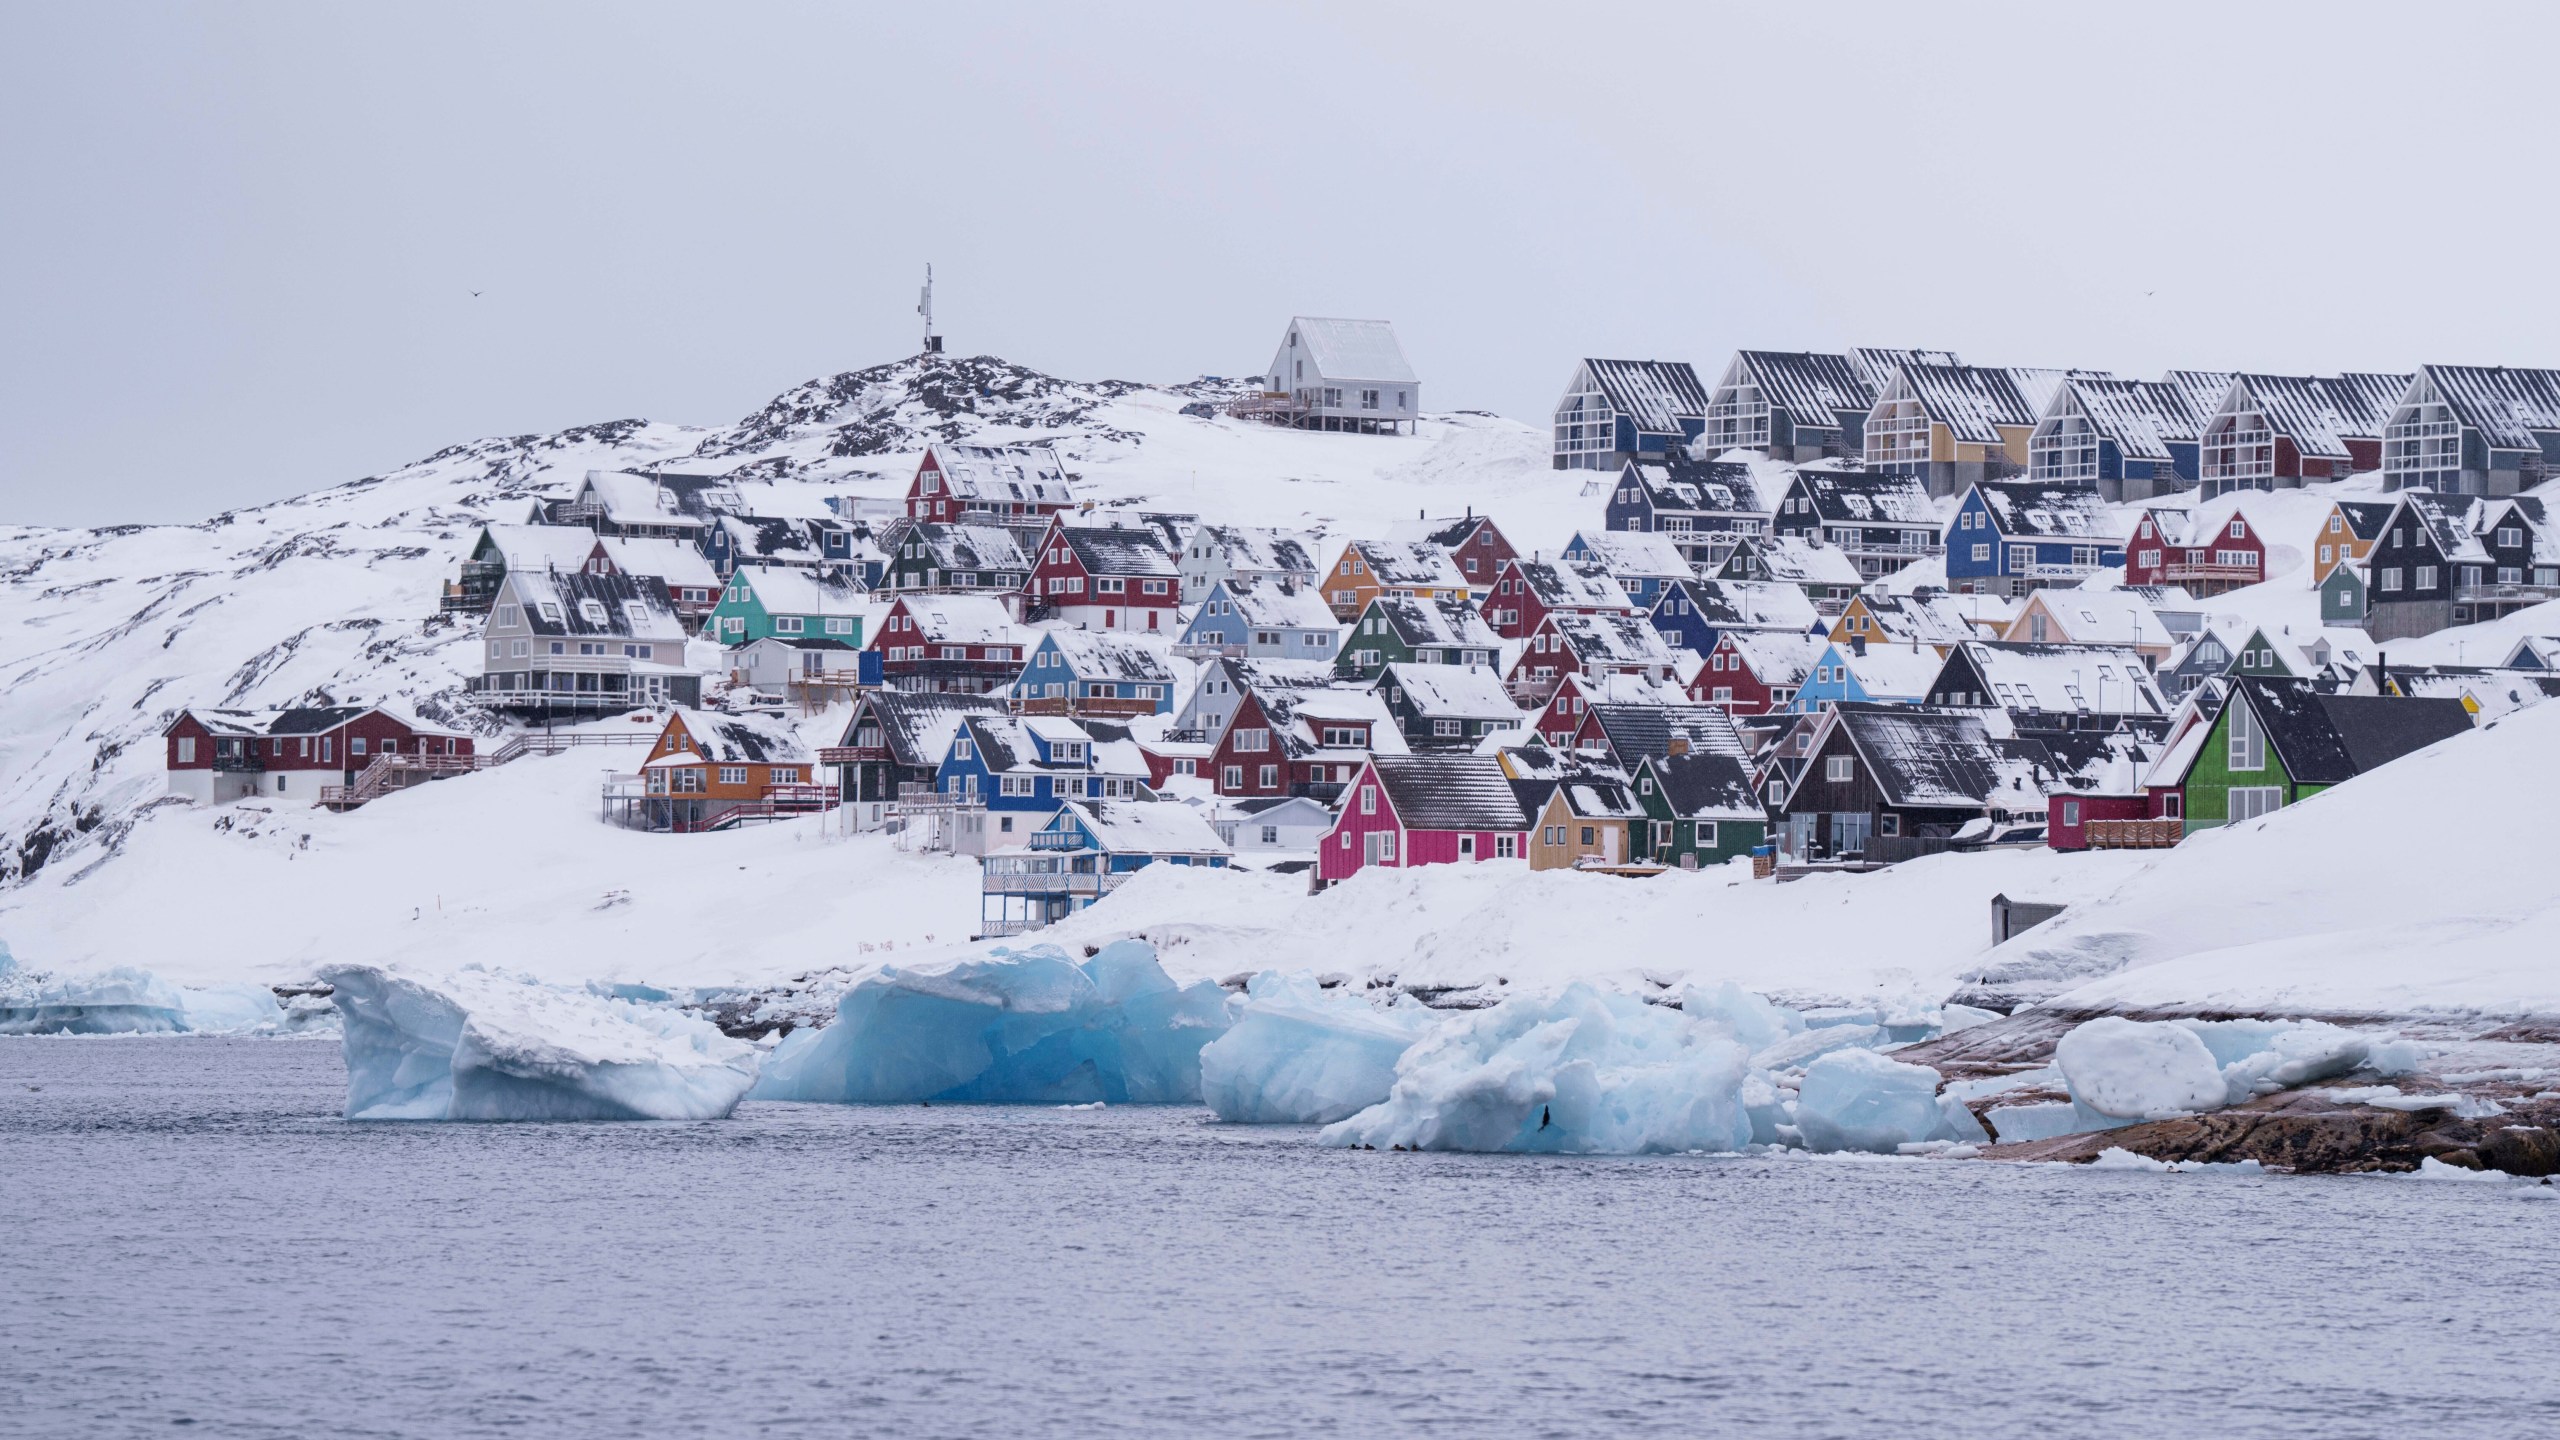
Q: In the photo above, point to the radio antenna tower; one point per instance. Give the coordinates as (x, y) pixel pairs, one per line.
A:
(924, 307)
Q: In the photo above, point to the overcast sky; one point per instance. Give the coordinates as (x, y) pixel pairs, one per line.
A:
(242, 241)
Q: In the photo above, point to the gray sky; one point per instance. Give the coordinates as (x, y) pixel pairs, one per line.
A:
(242, 241)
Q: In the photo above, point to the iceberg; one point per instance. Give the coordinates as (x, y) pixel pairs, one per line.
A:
(1796, 1051)
(1860, 1100)
(1300, 1054)
(2137, 1069)
(1751, 1017)
(1009, 1027)
(1578, 1073)
(129, 1000)
(482, 1045)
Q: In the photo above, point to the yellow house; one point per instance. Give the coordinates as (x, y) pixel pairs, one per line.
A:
(1367, 569)
(1901, 619)
(1952, 425)
(1585, 822)
(2346, 535)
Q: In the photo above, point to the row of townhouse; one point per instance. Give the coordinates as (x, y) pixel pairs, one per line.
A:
(2457, 429)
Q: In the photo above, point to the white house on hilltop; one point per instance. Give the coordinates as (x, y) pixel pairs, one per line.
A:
(1338, 375)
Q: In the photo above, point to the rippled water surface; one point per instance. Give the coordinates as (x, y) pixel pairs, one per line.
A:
(195, 1240)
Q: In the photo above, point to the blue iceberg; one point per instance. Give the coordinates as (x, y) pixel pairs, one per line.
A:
(1009, 1027)
(1300, 1054)
(1862, 1100)
(481, 1045)
(129, 1000)
(1581, 1072)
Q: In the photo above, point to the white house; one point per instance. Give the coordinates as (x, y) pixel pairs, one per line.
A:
(1342, 375)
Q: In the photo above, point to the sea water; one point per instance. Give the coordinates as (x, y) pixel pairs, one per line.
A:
(198, 1244)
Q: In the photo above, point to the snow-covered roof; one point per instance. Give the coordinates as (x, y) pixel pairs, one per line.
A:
(2048, 509)
(1003, 474)
(1450, 792)
(1656, 394)
(1866, 497)
(1636, 554)
(1353, 349)
(1635, 731)
(1749, 604)
(1972, 401)
(675, 562)
(2505, 405)
(2324, 738)
(1611, 638)
(1277, 606)
(2297, 407)
(1929, 619)
(629, 499)
(1409, 564)
(2140, 416)
(962, 619)
(1706, 785)
(726, 739)
(1938, 759)
(1473, 692)
(541, 547)
(2099, 679)
(1798, 560)
(1814, 388)
(1140, 827)
(1119, 550)
(1702, 487)
(1108, 655)
(575, 603)
(1776, 657)
(1572, 585)
(1256, 549)
(966, 547)
(790, 590)
(1890, 672)
(1440, 622)
(916, 726)
(2096, 617)
(769, 538)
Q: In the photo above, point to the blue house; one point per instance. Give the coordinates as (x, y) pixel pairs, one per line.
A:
(1704, 507)
(1016, 771)
(1095, 672)
(1884, 675)
(1085, 851)
(1643, 563)
(1614, 411)
(1268, 621)
(2012, 536)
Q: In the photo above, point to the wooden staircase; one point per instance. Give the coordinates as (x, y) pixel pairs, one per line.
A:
(398, 770)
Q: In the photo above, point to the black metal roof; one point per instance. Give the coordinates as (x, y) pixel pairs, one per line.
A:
(1450, 792)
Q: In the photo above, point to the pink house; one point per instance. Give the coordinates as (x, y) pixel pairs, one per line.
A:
(1406, 810)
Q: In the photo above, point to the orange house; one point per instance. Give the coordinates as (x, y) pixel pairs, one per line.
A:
(712, 772)
(1367, 569)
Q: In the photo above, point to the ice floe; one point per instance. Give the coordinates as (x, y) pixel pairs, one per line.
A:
(1302, 1054)
(129, 1000)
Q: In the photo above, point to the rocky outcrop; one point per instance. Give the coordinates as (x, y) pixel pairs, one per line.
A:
(2309, 1132)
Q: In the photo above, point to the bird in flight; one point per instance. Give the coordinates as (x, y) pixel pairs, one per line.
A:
(475, 294)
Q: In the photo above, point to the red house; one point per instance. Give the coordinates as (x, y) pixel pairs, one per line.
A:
(988, 483)
(1299, 741)
(1474, 544)
(1104, 577)
(1526, 592)
(1407, 810)
(2067, 816)
(1755, 672)
(2208, 550)
(1593, 646)
(1566, 710)
(217, 756)
(957, 644)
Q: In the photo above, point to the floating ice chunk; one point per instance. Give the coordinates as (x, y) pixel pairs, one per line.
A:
(1768, 1108)
(1860, 1100)
(2260, 1057)
(129, 1000)
(1576, 1073)
(1300, 1054)
(2133, 1069)
(1027, 1027)
(1753, 1020)
(1795, 1052)
(479, 1045)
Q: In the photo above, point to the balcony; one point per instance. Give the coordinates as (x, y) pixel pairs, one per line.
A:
(2196, 572)
(2510, 593)
(874, 754)
(245, 760)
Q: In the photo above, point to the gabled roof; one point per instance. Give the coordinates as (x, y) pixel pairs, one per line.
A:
(1776, 657)
(787, 590)
(2098, 679)
(1299, 716)
(1140, 827)
(2324, 738)
(961, 619)
(1353, 349)
(1119, 550)
(1796, 560)
(1701, 487)
(1106, 655)
(1748, 604)
(313, 719)
(1572, 585)
(629, 499)
(575, 603)
(2101, 617)
(2202, 390)
(1003, 474)
(1449, 792)
(1256, 548)
(725, 739)
(1931, 619)
(1936, 759)
(675, 562)
(1438, 622)
(1597, 797)
(2365, 518)
(1005, 743)
(959, 546)
(1635, 554)
(229, 722)
(1409, 564)
(2140, 416)
(1876, 363)
(2452, 521)
(1656, 394)
(2047, 509)
(1866, 497)
(1635, 731)
(1706, 785)
(1888, 672)
(1970, 400)
(2364, 401)
(1814, 388)
(916, 726)
(1444, 692)
(541, 547)
(768, 538)
(1277, 606)
(2297, 407)
(2505, 405)
(1611, 638)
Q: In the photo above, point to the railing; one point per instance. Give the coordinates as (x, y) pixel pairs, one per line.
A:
(1188, 736)
(2521, 593)
(545, 742)
(1050, 882)
(2182, 572)
(244, 761)
(1107, 707)
(853, 754)
(2134, 834)
(1274, 405)
(1894, 849)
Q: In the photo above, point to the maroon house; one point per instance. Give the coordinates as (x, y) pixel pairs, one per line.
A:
(1104, 577)
(1593, 646)
(1753, 672)
(217, 756)
(1407, 810)
(1526, 592)
(955, 644)
(2212, 549)
(987, 483)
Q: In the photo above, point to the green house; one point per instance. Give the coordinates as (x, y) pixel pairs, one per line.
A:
(1407, 629)
(1701, 810)
(2342, 597)
(786, 603)
(2281, 741)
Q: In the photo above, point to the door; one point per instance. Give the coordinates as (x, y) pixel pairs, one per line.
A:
(1609, 844)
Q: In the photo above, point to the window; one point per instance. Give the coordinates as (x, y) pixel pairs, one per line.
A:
(788, 625)
(1230, 777)
(521, 649)
(782, 775)
(592, 611)
(2248, 748)
(1253, 740)
(689, 781)
(1270, 834)
(733, 774)
(1706, 834)
(2239, 528)
(2426, 577)
(187, 749)
(2070, 812)
(508, 617)
(2390, 580)
(1368, 399)
(2248, 802)
(1504, 846)
(1444, 728)
(1269, 777)
(1982, 554)
(355, 745)
(1368, 799)
(1839, 768)
(551, 613)
(1019, 787)
(1466, 847)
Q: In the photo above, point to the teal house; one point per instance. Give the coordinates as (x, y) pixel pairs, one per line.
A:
(787, 603)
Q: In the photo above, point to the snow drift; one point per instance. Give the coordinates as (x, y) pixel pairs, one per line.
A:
(2125, 1070)
(479, 1045)
(1009, 1027)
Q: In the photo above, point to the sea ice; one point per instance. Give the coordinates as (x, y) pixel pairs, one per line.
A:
(1860, 1100)
(1795, 1052)
(1580, 1072)
(1300, 1054)
(1751, 1017)
(481, 1045)
(2260, 1057)
(2134, 1069)
(129, 1000)
(1008, 1027)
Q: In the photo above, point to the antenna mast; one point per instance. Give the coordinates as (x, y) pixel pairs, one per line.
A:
(924, 307)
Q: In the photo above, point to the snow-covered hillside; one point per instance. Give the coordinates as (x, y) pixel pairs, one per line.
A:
(328, 597)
